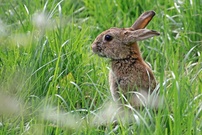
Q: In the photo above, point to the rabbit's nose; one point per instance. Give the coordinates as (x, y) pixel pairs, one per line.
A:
(94, 48)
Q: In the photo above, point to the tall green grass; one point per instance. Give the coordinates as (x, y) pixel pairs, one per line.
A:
(49, 73)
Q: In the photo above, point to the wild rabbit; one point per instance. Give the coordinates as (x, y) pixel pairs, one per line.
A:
(130, 76)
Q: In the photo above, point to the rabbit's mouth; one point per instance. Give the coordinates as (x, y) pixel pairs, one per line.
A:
(98, 50)
(101, 54)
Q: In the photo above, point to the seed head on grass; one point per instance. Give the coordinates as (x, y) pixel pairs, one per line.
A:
(9, 105)
(41, 20)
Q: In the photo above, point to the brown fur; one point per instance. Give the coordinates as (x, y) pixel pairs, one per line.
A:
(129, 73)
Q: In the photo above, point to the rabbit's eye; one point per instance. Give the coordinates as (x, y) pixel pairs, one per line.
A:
(108, 37)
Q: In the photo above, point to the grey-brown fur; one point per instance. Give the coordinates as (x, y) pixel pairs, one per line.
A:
(129, 73)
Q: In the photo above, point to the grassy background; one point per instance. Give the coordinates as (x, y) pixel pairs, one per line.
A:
(46, 64)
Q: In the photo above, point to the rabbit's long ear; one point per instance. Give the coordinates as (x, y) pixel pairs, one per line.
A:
(132, 36)
(143, 20)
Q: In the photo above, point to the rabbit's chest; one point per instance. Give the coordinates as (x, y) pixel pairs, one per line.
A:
(129, 75)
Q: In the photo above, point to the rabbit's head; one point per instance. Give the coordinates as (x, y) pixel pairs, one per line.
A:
(120, 43)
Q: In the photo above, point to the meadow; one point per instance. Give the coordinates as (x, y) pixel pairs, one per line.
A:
(50, 80)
